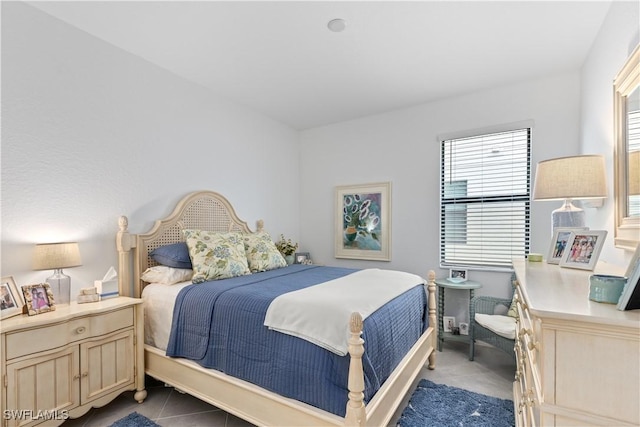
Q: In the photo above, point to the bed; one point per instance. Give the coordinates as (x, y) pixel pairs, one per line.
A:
(219, 381)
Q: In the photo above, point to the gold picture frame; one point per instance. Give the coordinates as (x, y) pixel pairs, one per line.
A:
(11, 301)
(38, 298)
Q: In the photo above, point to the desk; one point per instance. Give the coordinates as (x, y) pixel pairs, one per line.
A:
(443, 284)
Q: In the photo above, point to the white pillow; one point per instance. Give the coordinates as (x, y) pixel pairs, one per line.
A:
(505, 326)
(166, 275)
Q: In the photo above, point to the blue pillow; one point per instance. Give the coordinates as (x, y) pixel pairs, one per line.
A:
(175, 255)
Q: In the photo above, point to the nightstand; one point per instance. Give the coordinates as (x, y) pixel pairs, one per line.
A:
(443, 284)
(57, 365)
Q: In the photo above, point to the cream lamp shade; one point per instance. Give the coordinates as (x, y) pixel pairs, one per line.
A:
(56, 256)
(49, 256)
(567, 178)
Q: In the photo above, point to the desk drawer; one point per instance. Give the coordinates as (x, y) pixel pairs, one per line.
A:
(29, 341)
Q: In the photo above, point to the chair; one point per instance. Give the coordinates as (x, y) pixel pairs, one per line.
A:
(490, 306)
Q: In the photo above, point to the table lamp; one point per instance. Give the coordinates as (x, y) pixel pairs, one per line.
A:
(568, 178)
(57, 256)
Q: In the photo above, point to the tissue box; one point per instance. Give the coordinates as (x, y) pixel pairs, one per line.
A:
(107, 288)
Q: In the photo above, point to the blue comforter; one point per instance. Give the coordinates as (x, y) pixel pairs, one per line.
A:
(219, 324)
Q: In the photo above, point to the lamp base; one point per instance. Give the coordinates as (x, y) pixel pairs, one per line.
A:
(567, 216)
(60, 285)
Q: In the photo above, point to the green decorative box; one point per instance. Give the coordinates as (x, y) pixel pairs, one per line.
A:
(605, 288)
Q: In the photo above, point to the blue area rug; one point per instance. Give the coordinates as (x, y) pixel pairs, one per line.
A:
(134, 419)
(440, 405)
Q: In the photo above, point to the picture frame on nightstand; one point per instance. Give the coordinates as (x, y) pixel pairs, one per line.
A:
(38, 298)
(302, 258)
(457, 275)
(448, 323)
(10, 298)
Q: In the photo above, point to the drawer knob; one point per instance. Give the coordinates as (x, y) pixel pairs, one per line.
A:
(81, 330)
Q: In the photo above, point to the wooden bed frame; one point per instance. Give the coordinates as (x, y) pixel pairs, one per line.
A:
(207, 210)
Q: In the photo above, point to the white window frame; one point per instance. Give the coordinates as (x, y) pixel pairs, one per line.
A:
(481, 258)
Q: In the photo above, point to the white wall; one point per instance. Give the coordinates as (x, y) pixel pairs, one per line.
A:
(618, 36)
(402, 147)
(90, 132)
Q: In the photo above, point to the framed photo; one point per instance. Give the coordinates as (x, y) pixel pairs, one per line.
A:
(635, 258)
(464, 328)
(39, 298)
(302, 258)
(363, 221)
(630, 297)
(583, 249)
(457, 275)
(448, 323)
(559, 243)
(10, 299)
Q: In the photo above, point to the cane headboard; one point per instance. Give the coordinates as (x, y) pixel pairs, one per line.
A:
(201, 210)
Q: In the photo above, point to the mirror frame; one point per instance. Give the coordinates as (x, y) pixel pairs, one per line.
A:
(627, 229)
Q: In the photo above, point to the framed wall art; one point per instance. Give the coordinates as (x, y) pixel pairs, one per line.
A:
(583, 249)
(363, 222)
(559, 243)
(38, 298)
(10, 299)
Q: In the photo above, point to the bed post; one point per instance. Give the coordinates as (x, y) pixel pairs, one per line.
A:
(356, 414)
(124, 245)
(433, 322)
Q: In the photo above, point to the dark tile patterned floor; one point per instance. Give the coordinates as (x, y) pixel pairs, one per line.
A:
(491, 373)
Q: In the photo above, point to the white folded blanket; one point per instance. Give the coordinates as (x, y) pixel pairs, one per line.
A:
(320, 314)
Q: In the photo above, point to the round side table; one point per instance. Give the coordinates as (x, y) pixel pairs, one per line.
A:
(443, 284)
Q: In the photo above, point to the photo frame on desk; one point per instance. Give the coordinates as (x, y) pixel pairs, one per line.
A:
(583, 249)
(630, 297)
(10, 298)
(559, 243)
(38, 298)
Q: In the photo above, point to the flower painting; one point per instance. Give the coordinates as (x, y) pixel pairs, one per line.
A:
(362, 222)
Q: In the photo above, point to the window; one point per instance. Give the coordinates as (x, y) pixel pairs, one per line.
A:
(633, 135)
(485, 191)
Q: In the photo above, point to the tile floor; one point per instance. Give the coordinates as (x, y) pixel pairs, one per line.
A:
(490, 373)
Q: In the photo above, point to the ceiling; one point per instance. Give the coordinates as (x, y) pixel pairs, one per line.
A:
(280, 58)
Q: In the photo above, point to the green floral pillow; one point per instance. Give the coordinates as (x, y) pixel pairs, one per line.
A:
(513, 310)
(262, 253)
(216, 255)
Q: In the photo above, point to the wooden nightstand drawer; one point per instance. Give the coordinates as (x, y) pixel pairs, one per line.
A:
(50, 337)
(71, 359)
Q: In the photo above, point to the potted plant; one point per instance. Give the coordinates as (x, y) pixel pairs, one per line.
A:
(287, 248)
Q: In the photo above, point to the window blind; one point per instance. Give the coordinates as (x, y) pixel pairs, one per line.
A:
(633, 138)
(485, 190)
